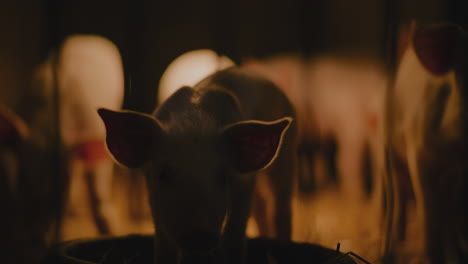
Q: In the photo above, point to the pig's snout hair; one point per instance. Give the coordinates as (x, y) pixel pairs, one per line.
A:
(199, 241)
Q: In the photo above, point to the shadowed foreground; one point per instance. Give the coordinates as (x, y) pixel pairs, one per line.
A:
(138, 249)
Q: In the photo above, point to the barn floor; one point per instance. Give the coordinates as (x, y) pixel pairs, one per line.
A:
(325, 218)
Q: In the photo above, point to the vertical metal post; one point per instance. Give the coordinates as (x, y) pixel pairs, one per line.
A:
(391, 22)
(58, 178)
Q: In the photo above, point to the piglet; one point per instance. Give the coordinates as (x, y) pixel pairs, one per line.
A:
(203, 151)
(427, 126)
(87, 73)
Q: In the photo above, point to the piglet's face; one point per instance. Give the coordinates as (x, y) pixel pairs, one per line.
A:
(191, 176)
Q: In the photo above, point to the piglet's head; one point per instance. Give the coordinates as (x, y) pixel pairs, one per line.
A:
(132, 139)
(190, 175)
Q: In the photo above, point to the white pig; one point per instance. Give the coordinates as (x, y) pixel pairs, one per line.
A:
(347, 97)
(427, 134)
(89, 75)
(203, 151)
(336, 98)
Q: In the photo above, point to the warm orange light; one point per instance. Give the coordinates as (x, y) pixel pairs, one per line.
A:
(190, 68)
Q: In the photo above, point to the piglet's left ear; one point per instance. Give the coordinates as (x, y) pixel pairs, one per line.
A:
(253, 145)
(131, 137)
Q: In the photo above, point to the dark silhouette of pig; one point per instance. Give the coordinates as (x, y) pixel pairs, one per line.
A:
(12, 133)
(203, 151)
(28, 221)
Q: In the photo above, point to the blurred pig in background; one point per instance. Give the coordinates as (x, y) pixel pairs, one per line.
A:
(339, 103)
(427, 133)
(87, 73)
(347, 97)
(188, 69)
(339, 106)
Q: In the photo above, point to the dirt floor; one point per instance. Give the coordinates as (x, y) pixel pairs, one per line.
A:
(325, 218)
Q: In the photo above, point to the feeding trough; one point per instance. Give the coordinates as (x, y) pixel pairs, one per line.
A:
(138, 249)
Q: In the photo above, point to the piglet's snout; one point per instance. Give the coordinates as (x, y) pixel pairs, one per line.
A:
(199, 241)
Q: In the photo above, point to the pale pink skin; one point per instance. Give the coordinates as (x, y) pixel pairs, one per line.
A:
(89, 75)
(335, 96)
(426, 138)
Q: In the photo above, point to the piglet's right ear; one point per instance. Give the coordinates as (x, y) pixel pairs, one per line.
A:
(131, 137)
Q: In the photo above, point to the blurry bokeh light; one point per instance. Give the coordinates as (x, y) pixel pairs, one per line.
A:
(190, 68)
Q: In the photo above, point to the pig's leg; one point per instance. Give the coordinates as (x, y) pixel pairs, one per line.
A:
(102, 183)
(387, 203)
(307, 161)
(402, 181)
(77, 187)
(234, 237)
(99, 219)
(165, 251)
(401, 209)
(350, 165)
(282, 179)
(414, 172)
(263, 206)
(401, 194)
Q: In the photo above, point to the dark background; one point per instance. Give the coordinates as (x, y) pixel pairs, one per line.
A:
(150, 34)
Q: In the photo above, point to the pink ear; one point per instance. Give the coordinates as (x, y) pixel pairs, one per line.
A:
(435, 47)
(131, 136)
(254, 145)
